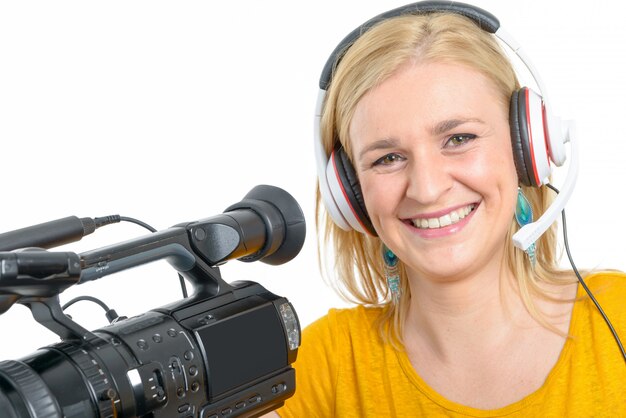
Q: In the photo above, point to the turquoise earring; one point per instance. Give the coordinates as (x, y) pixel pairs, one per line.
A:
(391, 273)
(524, 216)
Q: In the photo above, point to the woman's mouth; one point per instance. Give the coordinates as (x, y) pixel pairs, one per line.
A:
(446, 220)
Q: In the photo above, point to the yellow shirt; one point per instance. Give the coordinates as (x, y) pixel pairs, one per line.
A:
(344, 370)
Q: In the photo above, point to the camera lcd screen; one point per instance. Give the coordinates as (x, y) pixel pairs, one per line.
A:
(242, 348)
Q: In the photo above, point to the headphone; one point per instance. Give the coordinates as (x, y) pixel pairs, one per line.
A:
(538, 136)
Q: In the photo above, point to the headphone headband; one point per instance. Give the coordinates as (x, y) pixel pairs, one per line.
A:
(485, 20)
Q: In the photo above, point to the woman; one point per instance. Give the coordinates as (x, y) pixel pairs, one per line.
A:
(453, 320)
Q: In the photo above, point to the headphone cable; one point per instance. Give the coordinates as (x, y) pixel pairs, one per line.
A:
(582, 282)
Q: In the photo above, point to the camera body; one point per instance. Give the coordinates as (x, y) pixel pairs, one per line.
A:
(225, 351)
(223, 356)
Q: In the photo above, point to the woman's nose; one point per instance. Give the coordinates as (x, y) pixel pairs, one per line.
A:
(429, 178)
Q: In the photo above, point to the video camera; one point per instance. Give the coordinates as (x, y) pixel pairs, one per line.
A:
(224, 351)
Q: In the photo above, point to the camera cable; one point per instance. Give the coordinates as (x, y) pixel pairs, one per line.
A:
(111, 315)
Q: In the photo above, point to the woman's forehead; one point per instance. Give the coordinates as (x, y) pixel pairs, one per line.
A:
(430, 93)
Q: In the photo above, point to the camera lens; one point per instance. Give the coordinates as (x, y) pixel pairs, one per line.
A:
(50, 383)
(22, 390)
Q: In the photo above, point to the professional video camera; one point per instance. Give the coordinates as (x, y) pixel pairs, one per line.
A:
(224, 351)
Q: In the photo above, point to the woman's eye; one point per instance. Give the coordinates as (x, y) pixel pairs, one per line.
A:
(387, 160)
(460, 139)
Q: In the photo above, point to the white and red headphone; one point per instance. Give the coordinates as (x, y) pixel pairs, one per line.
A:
(538, 136)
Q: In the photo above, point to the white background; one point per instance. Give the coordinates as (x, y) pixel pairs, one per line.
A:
(171, 111)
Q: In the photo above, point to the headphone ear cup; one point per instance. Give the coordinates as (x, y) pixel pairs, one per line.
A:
(529, 127)
(519, 138)
(351, 189)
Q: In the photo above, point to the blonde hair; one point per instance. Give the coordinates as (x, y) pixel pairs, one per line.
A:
(375, 56)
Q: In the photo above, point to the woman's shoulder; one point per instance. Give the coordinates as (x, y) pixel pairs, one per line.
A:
(609, 290)
(343, 321)
(606, 281)
(356, 314)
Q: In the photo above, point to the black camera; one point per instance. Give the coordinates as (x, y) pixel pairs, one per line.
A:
(224, 351)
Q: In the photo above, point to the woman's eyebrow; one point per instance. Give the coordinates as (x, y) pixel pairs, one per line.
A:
(449, 124)
(378, 145)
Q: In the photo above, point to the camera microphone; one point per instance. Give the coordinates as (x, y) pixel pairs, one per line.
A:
(53, 233)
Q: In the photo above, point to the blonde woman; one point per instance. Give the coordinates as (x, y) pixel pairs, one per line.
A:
(452, 319)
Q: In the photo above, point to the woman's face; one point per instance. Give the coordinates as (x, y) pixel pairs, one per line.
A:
(431, 146)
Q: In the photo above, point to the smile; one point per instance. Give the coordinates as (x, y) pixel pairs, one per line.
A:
(445, 220)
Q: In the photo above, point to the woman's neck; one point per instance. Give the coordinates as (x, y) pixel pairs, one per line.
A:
(478, 329)
(463, 311)
(474, 313)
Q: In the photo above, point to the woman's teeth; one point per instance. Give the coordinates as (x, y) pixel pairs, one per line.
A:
(445, 220)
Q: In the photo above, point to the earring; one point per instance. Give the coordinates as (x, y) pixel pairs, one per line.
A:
(524, 216)
(391, 273)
